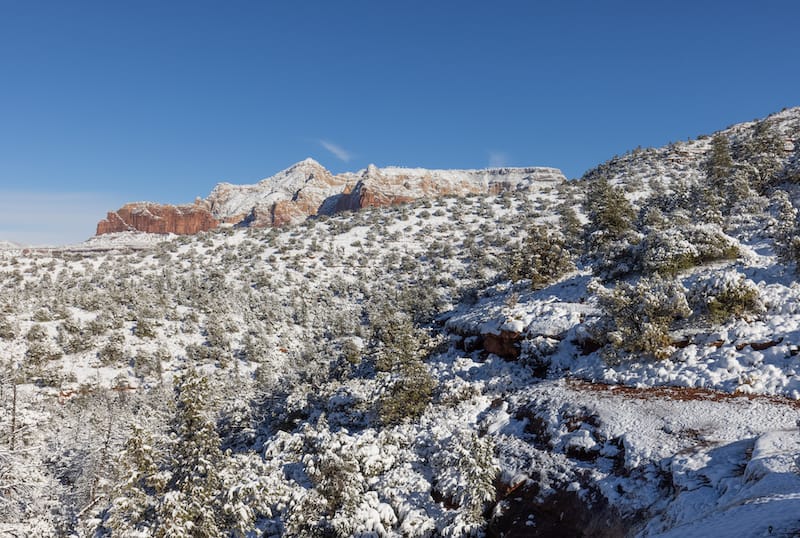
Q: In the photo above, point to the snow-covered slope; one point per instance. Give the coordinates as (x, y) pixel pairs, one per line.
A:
(475, 365)
(684, 161)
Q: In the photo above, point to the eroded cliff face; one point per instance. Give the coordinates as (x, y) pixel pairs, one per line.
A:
(289, 196)
(158, 219)
(378, 187)
(308, 189)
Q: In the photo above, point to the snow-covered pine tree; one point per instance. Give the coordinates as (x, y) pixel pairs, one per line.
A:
(720, 163)
(610, 236)
(133, 505)
(784, 229)
(192, 504)
(400, 353)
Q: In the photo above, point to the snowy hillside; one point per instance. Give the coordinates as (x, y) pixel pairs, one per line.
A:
(613, 356)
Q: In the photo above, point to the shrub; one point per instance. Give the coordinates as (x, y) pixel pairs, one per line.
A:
(465, 470)
(541, 257)
(8, 330)
(144, 328)
(36, 333)
(727, 295)
(113, 352)
(614, 258)
(40, 351)
(409, 396)
(610, 213)
(672, 250)
(401, 348)
(720, 162)
(637, 318)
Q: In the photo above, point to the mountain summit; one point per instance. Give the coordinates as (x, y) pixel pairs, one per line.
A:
(308, 189)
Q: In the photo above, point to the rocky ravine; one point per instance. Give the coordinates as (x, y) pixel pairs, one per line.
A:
(307, 189)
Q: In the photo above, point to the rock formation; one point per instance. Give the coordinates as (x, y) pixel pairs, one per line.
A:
(308, 189)
(159, 219)
(287, 197)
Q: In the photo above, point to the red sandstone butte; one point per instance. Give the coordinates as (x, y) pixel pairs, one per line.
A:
(158, 219)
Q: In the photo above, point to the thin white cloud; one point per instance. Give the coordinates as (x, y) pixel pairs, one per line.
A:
(498, 159)
(338, 151)
(53, 219)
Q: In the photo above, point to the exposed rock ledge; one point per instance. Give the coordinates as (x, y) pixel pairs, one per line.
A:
(308, 189)
(158, 219)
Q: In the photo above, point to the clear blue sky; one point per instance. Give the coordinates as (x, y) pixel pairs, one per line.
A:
(112, 101)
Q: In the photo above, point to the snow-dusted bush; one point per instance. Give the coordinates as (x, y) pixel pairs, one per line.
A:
(41, 351)
(638, 317)
(72, 337)
(464, 469)
(726, 295)
(719, 163)
(759, 154)
(570, 225)
(671, 250)
(784, 228)
(337, 476)
(614, 258)
(144, 328)
(541, 257)
(36, 333)
(8, 329)
(610, 213)
(113, 352)
(146, 363)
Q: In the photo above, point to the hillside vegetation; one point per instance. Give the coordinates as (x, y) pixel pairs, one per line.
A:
(622, 348)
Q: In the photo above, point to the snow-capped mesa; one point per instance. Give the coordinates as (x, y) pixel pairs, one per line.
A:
(307, 189)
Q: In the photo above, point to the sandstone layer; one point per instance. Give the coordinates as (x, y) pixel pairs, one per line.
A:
(307, 189)
(158, 219)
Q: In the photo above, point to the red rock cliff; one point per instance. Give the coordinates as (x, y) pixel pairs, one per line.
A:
(158, 219)
(307, 189)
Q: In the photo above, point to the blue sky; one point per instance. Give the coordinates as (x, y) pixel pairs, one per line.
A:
(107, 102)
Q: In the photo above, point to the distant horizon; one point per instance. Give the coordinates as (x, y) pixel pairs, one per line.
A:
(162, 101)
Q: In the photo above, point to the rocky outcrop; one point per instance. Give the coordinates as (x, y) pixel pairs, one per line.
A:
(159, 219)
(308, 189)
(506, 344)
(287, 197)
(379, 187)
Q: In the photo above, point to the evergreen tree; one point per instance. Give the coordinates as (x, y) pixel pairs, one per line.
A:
(173, 490)
(570, 225)
(720, 163)
(133, 507)
(400, 353)
(759, 156)
(610, 236)
(192, 505)
(465, 470)
(784, 230)
(542, 258)
(611, 215)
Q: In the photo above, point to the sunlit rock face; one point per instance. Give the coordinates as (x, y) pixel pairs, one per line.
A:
(307, 189)
(159, 219)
